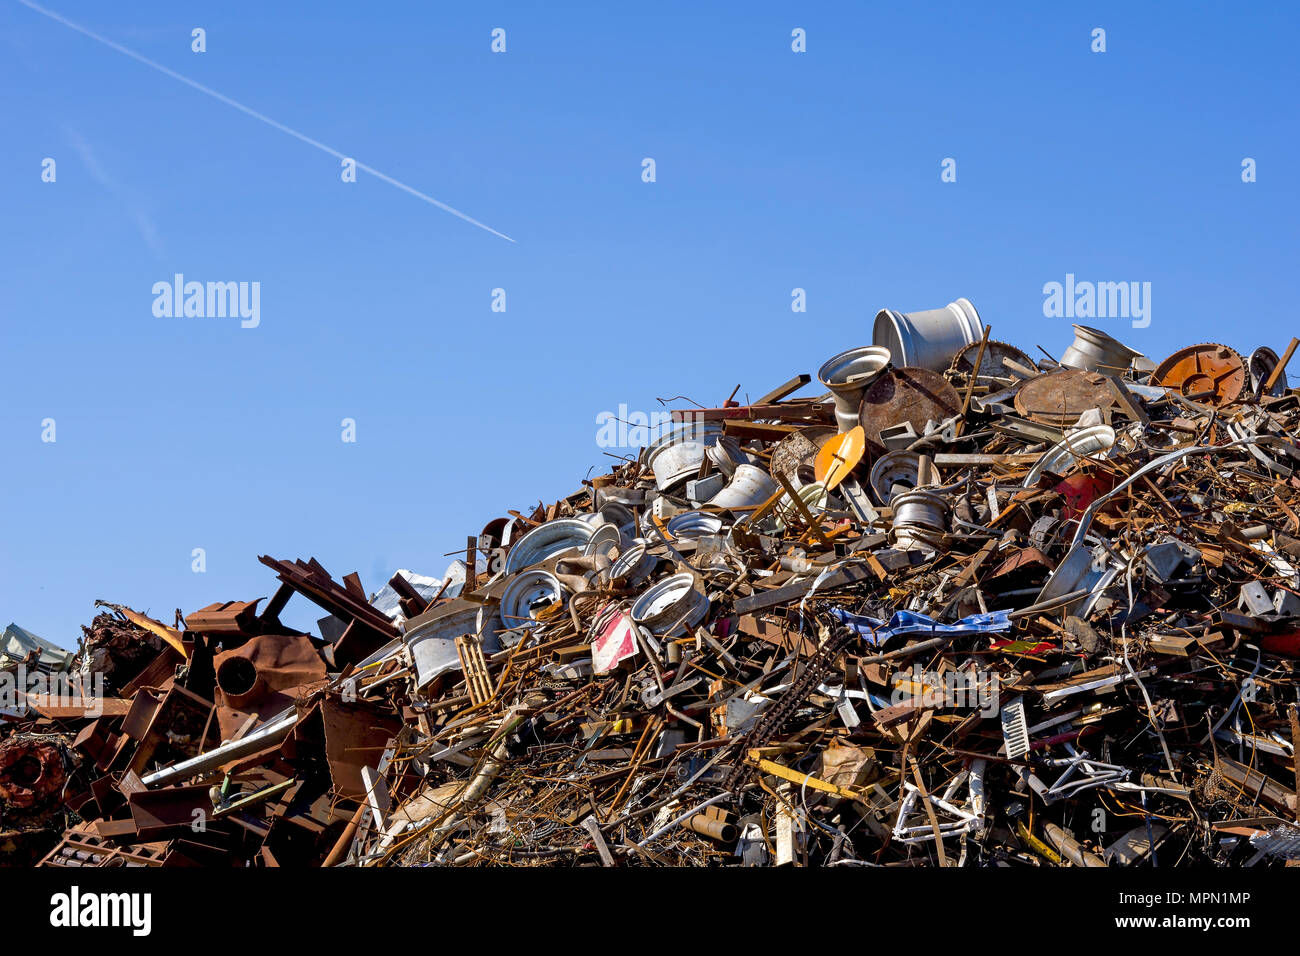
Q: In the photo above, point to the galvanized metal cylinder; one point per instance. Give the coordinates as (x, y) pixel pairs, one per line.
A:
(749, 487)
(928, 339)
(1093, 350)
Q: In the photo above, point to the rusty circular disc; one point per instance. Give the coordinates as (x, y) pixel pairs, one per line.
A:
(1060, 397)
(798, 450)
(991, 363)
(1209, 373)
(902, 395)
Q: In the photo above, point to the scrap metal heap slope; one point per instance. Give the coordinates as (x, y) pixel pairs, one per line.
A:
(961, 607)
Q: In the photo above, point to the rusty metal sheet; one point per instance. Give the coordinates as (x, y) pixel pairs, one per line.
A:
(905, 395)
(168, 634)
(775, 632)
(144, 707)
(180, 720)
(368, 629)
(355, 737)
(798, 451)
(267, 666)
(170, 812)
(228, 617)
(1059, 398)
(64, 708)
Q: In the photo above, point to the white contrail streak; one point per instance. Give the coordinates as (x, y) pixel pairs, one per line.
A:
(258, 116)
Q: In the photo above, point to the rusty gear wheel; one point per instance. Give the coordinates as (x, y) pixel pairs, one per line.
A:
(991, 364)
(1210, 373)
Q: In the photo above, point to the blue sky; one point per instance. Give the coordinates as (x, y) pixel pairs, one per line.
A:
(775, 170)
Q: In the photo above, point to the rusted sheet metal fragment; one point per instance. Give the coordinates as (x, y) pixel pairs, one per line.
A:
(1059, 398)
(267, 667)
(170, 812)
(57, 707)
(356, 736)
(367, 630)
(905, 396)
(168, 634)
(229, 617)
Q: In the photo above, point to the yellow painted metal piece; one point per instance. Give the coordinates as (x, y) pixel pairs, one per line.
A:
(168, 634)
(1037, 845)
(803, 779)
(839, 456)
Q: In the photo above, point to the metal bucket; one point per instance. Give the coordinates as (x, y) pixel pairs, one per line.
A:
(548, 540)
(749, 487)
(1094, 351)
(676, 455)
(525, 593)
(928, 339)
(670, 606)
(847, 375)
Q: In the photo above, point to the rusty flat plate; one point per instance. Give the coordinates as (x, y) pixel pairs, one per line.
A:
(902, 395)
(1209, 373)
(1059, 398)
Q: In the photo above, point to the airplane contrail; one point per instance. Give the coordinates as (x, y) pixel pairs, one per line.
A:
(259, 116)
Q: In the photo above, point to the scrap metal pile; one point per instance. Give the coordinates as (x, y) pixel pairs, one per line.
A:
(969, 607)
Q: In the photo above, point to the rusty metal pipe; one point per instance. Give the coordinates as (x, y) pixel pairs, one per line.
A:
(716, 798)
(340, 849)
(712, 827)
(1069, 847)
(241, 682)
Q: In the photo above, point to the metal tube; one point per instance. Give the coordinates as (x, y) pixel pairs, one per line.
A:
(716, 798)
(344, 842)
(712, 827)
(1069, 847)
(263, 737)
